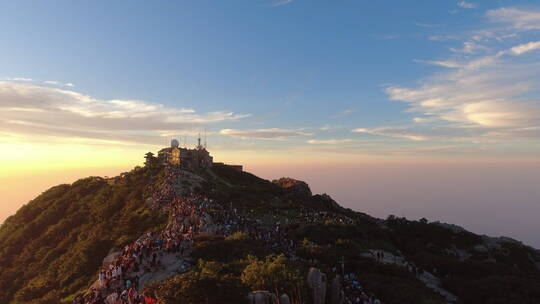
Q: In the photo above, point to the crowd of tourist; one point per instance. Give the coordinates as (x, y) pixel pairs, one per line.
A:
(228, 221)
(119, 280)
(323, 217)
(276, 238)
(355, 293)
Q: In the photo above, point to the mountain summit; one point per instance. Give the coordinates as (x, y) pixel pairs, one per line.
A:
(185, 229)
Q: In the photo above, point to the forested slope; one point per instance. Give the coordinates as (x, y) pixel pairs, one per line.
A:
(53, 245)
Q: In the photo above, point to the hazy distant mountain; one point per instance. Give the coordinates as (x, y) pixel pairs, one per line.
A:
(52, 250)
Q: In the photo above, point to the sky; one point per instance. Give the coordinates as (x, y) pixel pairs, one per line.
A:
(416, 108)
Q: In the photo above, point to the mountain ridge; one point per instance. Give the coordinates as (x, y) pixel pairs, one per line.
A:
(78, 224)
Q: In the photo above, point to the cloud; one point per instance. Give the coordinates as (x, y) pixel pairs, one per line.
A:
(427, 25)
(271, 133)
(343, 113)
(488, 96)
(21, 79)
(489, 91)
(59, 83)
(400, 132)
(327, 127)
(469, 47)
(525, 48)
(31, 110)
(473, 64)
(38, 82)
(428, 132)
(444, 63)
(421, 120)
(465, 4)
(281, 3)
(519, 19)
(330, 141)
(442, 37)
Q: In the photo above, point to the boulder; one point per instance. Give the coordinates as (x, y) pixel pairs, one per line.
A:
(284, 299)
(317, 283)
(481, 248)
(293, 187)
(262, 297)
(337, 295)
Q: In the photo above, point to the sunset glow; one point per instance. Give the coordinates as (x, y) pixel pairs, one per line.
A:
(280, 87)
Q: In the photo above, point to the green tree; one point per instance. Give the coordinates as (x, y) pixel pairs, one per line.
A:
(273, 273)
(210, 283)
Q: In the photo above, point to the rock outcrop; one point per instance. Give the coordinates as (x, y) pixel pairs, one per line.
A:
(336, 292)
(262, 297)
(293, 187)
(284, 299)
(326, 201)
(317, 282)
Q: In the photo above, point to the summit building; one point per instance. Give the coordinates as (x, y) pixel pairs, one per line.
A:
(197, 158)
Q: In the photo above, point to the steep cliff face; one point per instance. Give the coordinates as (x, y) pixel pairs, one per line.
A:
(238, 234)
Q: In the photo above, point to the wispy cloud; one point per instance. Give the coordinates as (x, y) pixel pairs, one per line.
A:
(465, 4)
(444, 63)
(487, 93)
(59, 83)
(37, 81)
(426, 25)
(271, 133)
(516, 18)
(469, 47)
(34, 110)
(278, 3)
(53, 82)
(400, 132)
(525, 48)
(443, 37)
(331, 141)
(430, 130)
(328, 127)
(343, 113)
(20, 79)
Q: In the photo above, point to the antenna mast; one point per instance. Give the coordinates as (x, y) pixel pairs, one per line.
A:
(205, 138)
